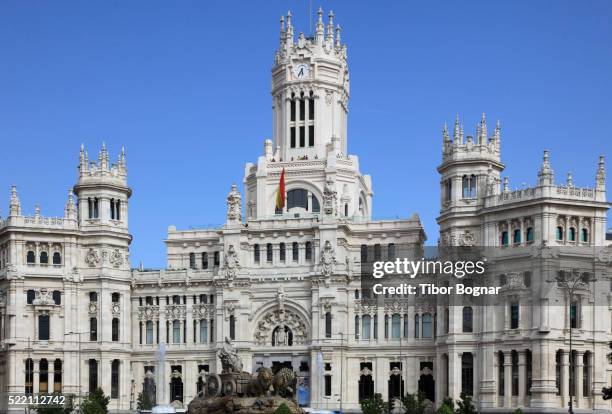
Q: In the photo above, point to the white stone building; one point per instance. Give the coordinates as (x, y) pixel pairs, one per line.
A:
(284, 284)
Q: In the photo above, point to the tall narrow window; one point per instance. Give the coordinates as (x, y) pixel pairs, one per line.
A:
(30, 296)
(43, 327)
(395, 326)
(375, 329)
(328, 325)
(203, 331)
(377, 252)
(176, 331)
(328, 385)
(57, 258)
(43, 376)
(204, 260)
(308, 252)
(192, 261)
(292, 134)
(115, 330)
(504, 238)
(302, 137)
(31, 257)
(516, 239)
(282, 252)
(366, 322)
(232, 327)
(93, 329)
(57, 376)
(514, 315)
(29, 377)
(559, 233)
(416, 326)
(90, 208)
(386, 326)
(529, 234)
(357, 327)
(572, 234)
(302, 107)
(467, 319)
(500, 374)
(93, 296)
(256, 253)
(292, 108)
(269, 253)
(216, 260)
(115, 378)
(427, 326)
(364, 253)
(515, 373)
(118, 207)
(93, 375)
(149, 328)
(574, 315)
(584, 235)
(467, 373)
(311, 135)
(295, 251)
(212, 330)
(311, 107)
(528, 372)
(112, 208)
(391, 251)
(44, 258)
(405, 325)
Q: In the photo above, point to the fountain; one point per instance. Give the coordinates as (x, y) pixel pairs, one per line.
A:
(161, 396)
(239, 392)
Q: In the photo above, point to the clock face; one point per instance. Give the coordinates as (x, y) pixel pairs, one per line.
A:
(301, 71)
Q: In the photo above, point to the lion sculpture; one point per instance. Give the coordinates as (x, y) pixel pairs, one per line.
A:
(284, 383)
(260, 385)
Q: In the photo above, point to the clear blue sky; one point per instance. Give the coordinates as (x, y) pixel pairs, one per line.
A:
(184, 85)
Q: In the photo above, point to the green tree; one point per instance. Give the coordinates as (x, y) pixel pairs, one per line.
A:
(282, 409)
(465, 405)
(144, 402)
(95, 403)
(414, 403)
(374, 405)
(518, 411)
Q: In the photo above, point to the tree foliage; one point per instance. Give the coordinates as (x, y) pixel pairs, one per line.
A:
(374, 405)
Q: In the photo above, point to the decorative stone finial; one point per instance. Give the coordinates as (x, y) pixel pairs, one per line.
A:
(330, 25)
(546, 174)
(445, 137)
(15, 204)
(570, 180)
(600, 178)
(506, 185)
(482, 130)
(70, 211)
(37, 210)
(338, 40)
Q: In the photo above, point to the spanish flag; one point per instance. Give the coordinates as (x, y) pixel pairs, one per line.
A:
(280, 193)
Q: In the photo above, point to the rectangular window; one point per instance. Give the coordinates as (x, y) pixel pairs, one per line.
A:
(311, 104)
(204, 260)
(302, 109)
(302, 137)
(149, 327)
(514, 315)
(203, 331)
(93, 375)
(93, 329)
(216, 259)
(212, 330)
(292, 134)
(176, 332)
(293, 110)
(311, 136)
(328, 385)
(115, 378)
(43, 327)
(574, 315)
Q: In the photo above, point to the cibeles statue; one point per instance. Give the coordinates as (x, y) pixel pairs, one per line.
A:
(230, 361)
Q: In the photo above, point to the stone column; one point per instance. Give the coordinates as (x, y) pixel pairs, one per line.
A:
(36, 376)
(564, 378)
(522, 378)
(454, 374)
(189, 319)
(578, 366)
(507, 379)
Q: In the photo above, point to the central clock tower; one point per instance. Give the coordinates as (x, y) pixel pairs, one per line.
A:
(310, 90)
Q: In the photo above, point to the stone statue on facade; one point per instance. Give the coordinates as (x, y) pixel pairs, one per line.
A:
(231, 262)
(329, 198)
(230, 361)
(234, 205)
(280, 336)
(328, 259)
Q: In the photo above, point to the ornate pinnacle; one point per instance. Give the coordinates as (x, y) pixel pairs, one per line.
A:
(282, 24)
(546, 174)
(456, 131)
(497, 133)
(570, 180)
(15, 204)
(330, 25)
(601, 174)
(482, 136)
(289, 19)
(506, 186)
(320, 21)
(445, 137)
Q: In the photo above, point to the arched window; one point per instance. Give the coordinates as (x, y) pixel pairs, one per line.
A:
(149, 334)
(57, 258)
(29, 376)
(203, 331)
(115, 330)
(192, 261)
(57, 376)
(316, 207)
(366, 322)
(269, 253)
(176, 331)
(504, 238)
(467, 319)
(93, 329)
(559, 233)
(232, 327)
(584, 235)
(31, 257)
(516, 239)
(43, 376)
(396, 325)
(308, 251)
(328, 325)
(572, 234)
(529, 235)
(377, 252)
(256, 253)
(469, 186)
(295, 251)
(297, 198)
(204, 260)
(427, 326)
(391, 251)
(44, 258)
(282, 251)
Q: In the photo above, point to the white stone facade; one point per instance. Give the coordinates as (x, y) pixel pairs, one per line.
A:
(284, 284)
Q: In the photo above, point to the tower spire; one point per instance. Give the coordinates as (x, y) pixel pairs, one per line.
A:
(456, 130)
(546, 174)
(330, 26)
(15, 204)
(320, 31)
(445, 137)
(600, 178)
(70, 209)
(482, 130)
